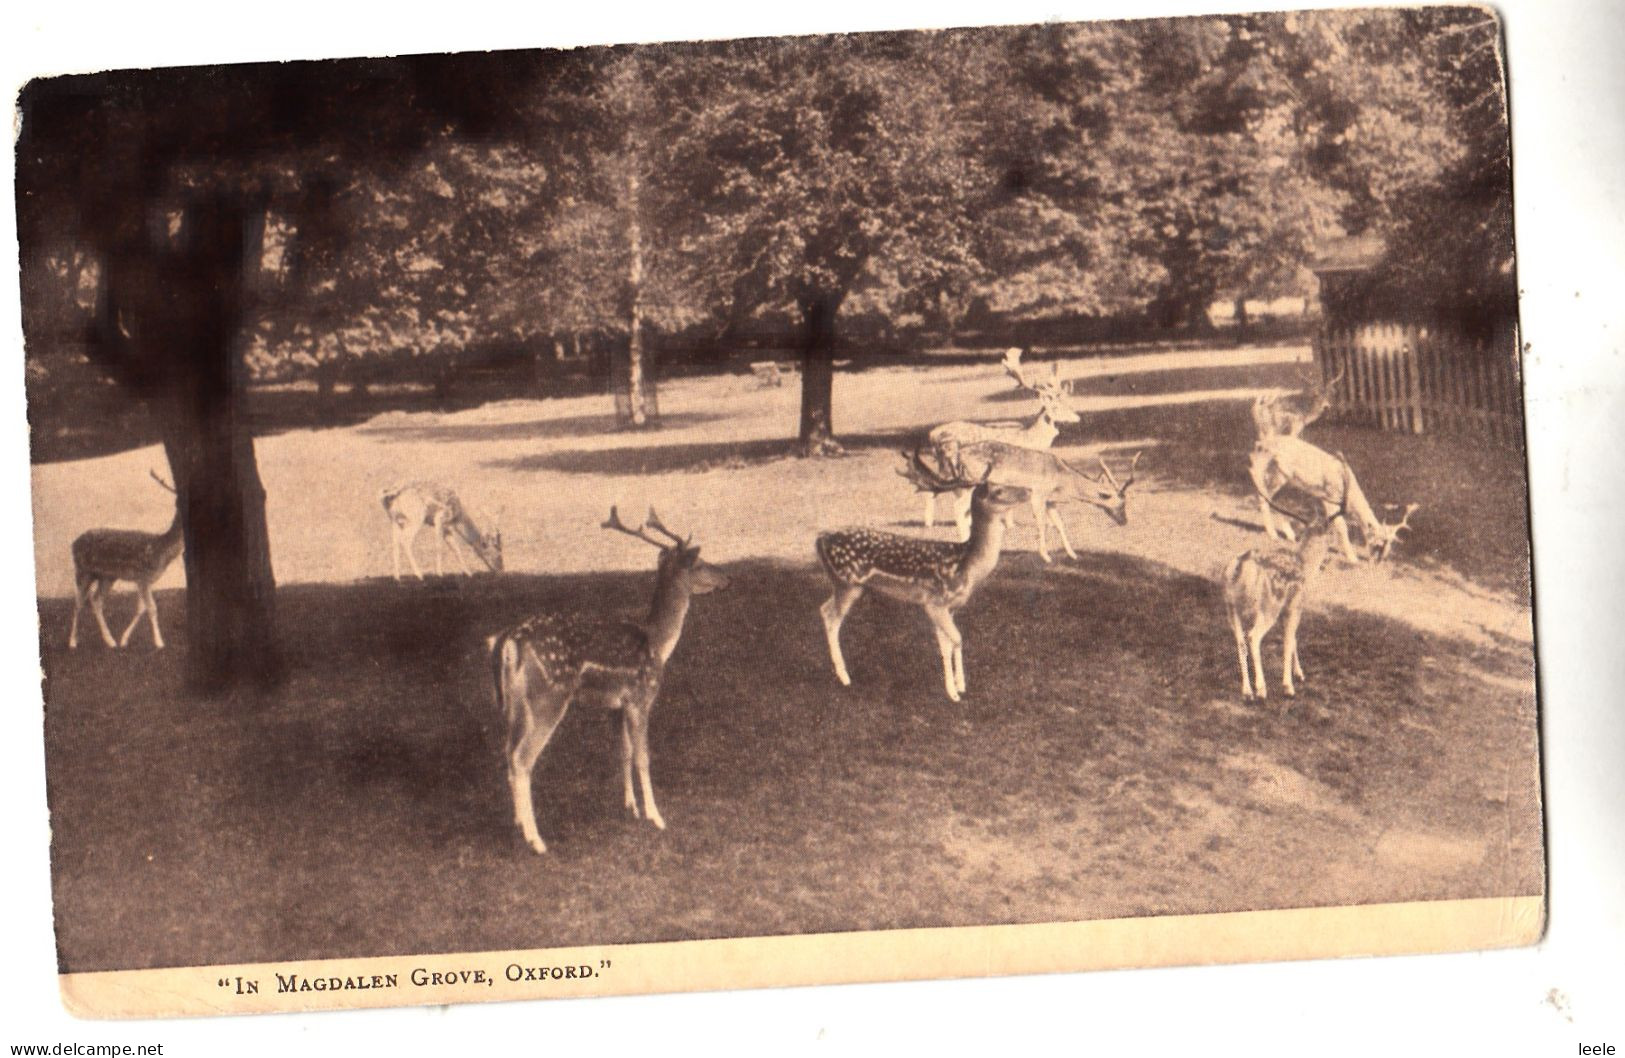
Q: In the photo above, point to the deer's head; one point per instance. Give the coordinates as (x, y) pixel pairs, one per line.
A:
(679, 563)
(1106, 492)
(1054, 398)
(488, 546)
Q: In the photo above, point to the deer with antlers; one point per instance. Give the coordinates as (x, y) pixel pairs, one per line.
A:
(935, 575)
(413, 506)
(1048, 480)
(1263, 584)
(542, 665)
(103, 557)
(1037, 432)
(1286, 414)
(1280, 461)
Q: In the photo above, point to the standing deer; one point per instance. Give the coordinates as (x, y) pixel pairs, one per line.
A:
(103, 557)
(1048, 480)
(412, 506)
(1038, 432)
(542, 665)
(1280, 461)
(1260, 585)
(935, 575)
(1287, 414)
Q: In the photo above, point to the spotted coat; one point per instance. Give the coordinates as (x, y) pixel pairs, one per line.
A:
(589, 657)
(857, 556)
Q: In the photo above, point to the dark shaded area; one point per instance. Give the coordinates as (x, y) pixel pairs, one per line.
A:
(529, 430)
(363, 811)
(697, 457)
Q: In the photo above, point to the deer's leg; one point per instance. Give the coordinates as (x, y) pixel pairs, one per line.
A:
(834, 611)
(1241, 654)
(409, 543)
(534, 710)
(81, 587)
(152, 615)
(630, 799)
(1060, 527)
(458, 555)
(930, 516)
(541, 715)
(949, 643)
(140, 609)
(639, 719)
(1342, 527)
(1255, 641)
(98, 592)
(1289, 651)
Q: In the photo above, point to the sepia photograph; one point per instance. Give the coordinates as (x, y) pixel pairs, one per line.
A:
(879, 504)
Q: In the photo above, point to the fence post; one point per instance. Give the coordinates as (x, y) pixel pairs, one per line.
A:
(1414, 374)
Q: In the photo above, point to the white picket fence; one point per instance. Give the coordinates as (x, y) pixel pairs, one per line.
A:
(1417, 379)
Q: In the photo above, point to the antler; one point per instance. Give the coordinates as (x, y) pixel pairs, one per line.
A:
(653, 522)
(930, 480)
(620, 527)
(1111, 478)
(167, 486)
(1405, 519)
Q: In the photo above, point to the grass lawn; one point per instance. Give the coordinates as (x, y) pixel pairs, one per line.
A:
(1102, 764)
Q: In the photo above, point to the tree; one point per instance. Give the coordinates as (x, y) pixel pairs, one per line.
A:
(806, 167)
(166, 179)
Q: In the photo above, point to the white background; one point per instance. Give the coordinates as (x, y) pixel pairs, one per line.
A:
(1568, 98)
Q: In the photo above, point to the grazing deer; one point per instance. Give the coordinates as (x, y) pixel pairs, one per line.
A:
(103, 557)
(935, 575)
(544, 664)
(1287, 414)
(412, 506)
(1262, 584)
(1280, 461)
(1048, 480)
(1038, 432)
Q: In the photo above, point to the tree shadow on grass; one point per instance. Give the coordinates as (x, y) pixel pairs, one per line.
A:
(376, 771)
(1261, 377)
(695, 457)
(533, 429)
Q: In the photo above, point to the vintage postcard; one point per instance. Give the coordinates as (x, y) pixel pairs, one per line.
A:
(780, 511)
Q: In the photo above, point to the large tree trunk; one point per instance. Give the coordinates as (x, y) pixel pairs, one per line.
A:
(818, 376)
(171, 319)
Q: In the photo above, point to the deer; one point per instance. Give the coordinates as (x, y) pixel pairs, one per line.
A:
(1287, 414)
(1263, 584)
(1037, 432)
(412, 506)
(938, 576)
(1280, 460)
(1049, 480)
(103, 557)
(541, 666)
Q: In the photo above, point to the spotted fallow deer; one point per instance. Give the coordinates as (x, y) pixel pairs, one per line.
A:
(1037, 432)
(542, 665)
(1262, 584)
(1049, 481)
(413, 506)
(935, 575)
(1287, 414)
(103, 557)
(1280, 461)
